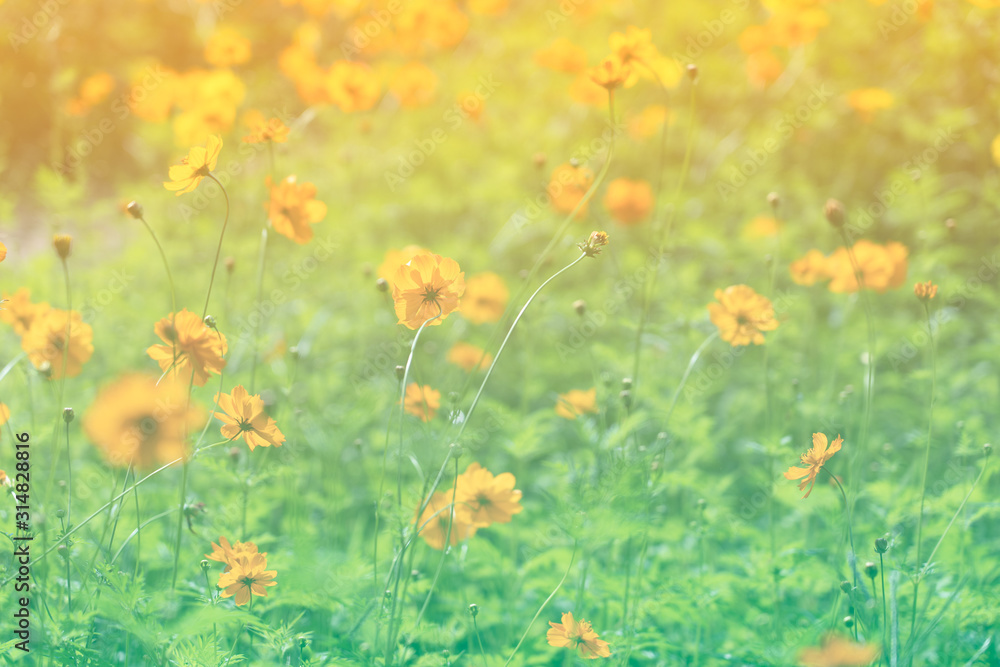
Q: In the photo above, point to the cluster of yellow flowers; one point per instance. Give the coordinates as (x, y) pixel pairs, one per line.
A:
(58, 342)
(246, 573)
(480, 500)
(882, 267)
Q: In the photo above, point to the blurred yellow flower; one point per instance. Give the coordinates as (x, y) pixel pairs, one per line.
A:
(763, 68)
(224, 552)
(485, 298)
(422, 401)
(352, 86)
(248, 576)
(3, 251)
(428, 286)
(742, 315)
(611, 73)
(838, 652)
(19, 312)
(562, 55)
(243, 416)
(761, 226)
(396, 258)
(576, 402)
(197, 347)
(93, 90)
(482, 499)
(227, 47)
(648, 122)
(489, 7)
(868, 101)
(634, 45)
(577, 635)
(437, 515)
(292, 208)
(629, 201)
(811, 268)
(469, 356)
(263, 130)
(414, 84)
(4, 413)
(567, 186)
(583, 90)
(882, 267)
(60, 339)
(925, 291)
(814, 459)
(995, 150)
(198, 164)
(141, 421)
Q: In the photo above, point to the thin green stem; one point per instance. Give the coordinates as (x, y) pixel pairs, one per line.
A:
(166, 265)
(885, 616)
(444, 549)
(927, 461)
(218, 249)
(262, 256)
(850, 529)
(180, 524)
(479, 639)
(544, 604)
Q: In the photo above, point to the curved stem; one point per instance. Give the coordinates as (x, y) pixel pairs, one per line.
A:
(218, 249)
(850, 529)
(544, 604)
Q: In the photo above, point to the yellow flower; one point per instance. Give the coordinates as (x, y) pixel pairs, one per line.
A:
(62, 243)
(868, 101)
(263, 130)
(742, 315)
(838, 652)
(227, 47)
(882, 267)
(485, 298)
(469, 356)
(3, 252)
(634, 45)
(579, 635)
(814, 460)
(198, 164)
(576, 402)
(422, 401)
(352, 86)
(243, 415)
(437, 515)
(19, 312)
(227, 553)
(61, 339)
(648, 122)
(562, 55)
(414, 84)
(567, 186)
(629, 201)
(761, 226)
(924, 291)
(4, 413)
(482, 498)
(248, 576)
(5, 480)
(812, 267)
(189, 344)
(292, 209)
(396, 258)
(611, 73)
(137, 420)
(995, 150)
(428, 286)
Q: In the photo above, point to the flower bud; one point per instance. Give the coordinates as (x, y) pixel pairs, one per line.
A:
(987, 448)
(230, 263)
(580, 306)
(456, 450)
(382, 285)
(400, 372)
(871, 570)
(134, 209)
(474, 609)
(68, 415)
(626, 383)
(692, 71)
(626, 397)
(773, 199)
(834, 212)
(539, 159)
(845, 586)
(204, 564)
(849, 621)
(881, 545)
(62, 242)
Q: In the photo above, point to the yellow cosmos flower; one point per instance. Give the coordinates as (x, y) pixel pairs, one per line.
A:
(352, 86)
(428, 286)
(869, 101)
(247, 577)
(469, 357)
(485, 298)
(60, 339)
(812, 267)
(396, 258)
(577, 635)
(188, 344)
(414, 84)
(422, 401)
(814, 459)
(198, 164)
(243, 416)
(227, 553)
(482, 498)
(562, 55)
(611, 73)
(227, 47)
(436, 516)
(629, 201)
(293, 209)
(838, 652)
(19, 312)
(925, 291)
(576, 402)
(742, 315)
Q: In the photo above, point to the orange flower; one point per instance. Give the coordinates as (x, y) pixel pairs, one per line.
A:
(227, 553)
(5, 480)
(869, 101)
(4, 413)
(227, 47)
(189, 344)
(396, 258)
(580, 635)
(485, 298)
(60, 339)
(428, 286)
(414, 84)
(567, 186)
(811, 268)
(243, 415)
(742, 315)
(611, 73)
(198, 164)
(292, 208)
(634, 45)
(924, 291)
(814, 460)
(139, 420)
(352, 86)
(248, 576)
(422, 401)
(93, 90)
(649, 121)
(469, 357)
(482, 498)
(585, 91)
(576, 402)
(838, 652)
(262, 130)
(763, 68)
(628, 201)
(437, 515)
(562, 55)
(3, 252)
(761, 226)
(19, 312)
(882, 267)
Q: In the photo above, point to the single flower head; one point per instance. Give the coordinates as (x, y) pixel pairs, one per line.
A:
(576, 402)
(227, 553)
(293, 209)
(248, 576)
(427, 289)
(611, 73)
(188, 344)
(62, 243)
(577, 635)
(432, 524)
(925, 291)
(422, 401)
(485, 298)
(482, 498)
(742, 315)
(59, 339)
(592, 246)
(243, 416)
(814, 459)
(198, 164)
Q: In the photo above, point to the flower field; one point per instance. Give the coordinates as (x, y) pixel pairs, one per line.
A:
(499, 333)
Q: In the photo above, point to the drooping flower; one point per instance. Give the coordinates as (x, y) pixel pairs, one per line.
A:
(227, 47)
(60, 339)
(742, 315)
(227, 553)
(577, 635)
(437, 515)
(485, 298)
(925, 291)
(188, 344)
(137, 420)
(838, 652)
(19, 312)
(293, 209)
(198, 164)
(576, 402)
(428, 286)
(248, 576)
(469, 356)
(629, 201)
(422, 401)
(482, 498)
(243, 416)
(814, 459)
